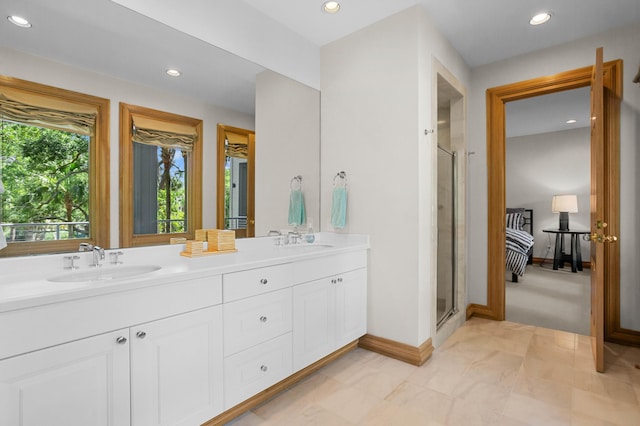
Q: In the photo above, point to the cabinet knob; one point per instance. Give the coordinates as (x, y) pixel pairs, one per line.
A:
(333, 281)
(339, 280)
(141, 334)
(264, 368)
(121, 340)
(263, 281)
(263, 319)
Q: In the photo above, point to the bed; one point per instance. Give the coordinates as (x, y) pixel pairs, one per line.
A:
(519, 241)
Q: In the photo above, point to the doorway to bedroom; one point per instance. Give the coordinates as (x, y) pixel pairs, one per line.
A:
(547, 159)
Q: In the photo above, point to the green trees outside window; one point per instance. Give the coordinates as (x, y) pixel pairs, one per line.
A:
(46, 178)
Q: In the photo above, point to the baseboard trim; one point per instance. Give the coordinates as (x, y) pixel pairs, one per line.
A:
(481, 311)
(541, 260)
(400, 351)
(272, 391)
(624, 336)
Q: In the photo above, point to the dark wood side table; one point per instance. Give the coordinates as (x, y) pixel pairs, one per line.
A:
(574, 256)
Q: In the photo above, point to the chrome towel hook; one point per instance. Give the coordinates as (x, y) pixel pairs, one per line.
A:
(296, 182)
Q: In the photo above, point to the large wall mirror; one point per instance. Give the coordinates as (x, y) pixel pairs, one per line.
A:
(122, 56)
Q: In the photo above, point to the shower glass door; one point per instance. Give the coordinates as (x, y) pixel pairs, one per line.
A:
(446, 236)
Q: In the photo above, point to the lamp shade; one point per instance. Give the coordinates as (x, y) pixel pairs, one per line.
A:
(564, 203)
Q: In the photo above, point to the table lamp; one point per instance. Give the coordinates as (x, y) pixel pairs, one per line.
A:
(564, 204)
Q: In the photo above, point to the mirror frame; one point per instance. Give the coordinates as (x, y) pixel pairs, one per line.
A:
(251, 177)
(194, 183)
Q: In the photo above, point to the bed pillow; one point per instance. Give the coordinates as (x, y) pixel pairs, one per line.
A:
(515, 221)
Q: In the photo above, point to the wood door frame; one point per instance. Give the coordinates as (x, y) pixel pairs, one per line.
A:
(496, 99)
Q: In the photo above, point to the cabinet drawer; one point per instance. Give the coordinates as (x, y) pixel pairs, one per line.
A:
(257, 319)
(238, 285)
(253, 370)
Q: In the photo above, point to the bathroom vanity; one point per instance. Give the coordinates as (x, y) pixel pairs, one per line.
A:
(178, 345)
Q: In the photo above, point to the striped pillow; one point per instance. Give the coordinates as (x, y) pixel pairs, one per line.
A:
(515, 221)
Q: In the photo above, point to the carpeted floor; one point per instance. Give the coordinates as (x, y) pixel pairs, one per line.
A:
(552, 299)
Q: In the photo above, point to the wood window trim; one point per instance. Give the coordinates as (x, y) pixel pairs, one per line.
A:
(496, 99)
(194, 183)
(220, 188)
(98, 172)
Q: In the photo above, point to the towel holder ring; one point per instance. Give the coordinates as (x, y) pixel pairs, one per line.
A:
(296, 180)
(342, 175)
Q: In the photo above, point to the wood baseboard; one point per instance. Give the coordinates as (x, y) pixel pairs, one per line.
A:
(268, 393)
(624, 336)
(400, 351)
(540, 261)
(480, 311)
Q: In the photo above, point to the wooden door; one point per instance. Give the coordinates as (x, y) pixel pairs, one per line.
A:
(597, 212)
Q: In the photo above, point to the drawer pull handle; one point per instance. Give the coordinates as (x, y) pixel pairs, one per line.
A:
(339, 280)
(263, 368)
(263, 319)
(121, 340)
(141, 334)
(333, 281)
(263, 281)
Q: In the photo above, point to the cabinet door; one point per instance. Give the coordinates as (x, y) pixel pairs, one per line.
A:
(351, 306)
(176, 369)
(85, 382)
(313, 322)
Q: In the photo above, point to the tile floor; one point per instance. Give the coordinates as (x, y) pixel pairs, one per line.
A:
(486, 373)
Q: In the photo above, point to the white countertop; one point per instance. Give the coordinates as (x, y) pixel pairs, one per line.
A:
(24, 280)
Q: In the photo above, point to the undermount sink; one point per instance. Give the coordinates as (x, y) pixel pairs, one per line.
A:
(105, 274)
(305, 247)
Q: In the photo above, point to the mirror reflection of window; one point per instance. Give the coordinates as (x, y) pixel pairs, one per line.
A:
(164, 194)
(235, 180)
(53, 155)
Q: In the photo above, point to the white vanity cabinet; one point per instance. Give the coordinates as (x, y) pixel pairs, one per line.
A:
(327, 314)
(81, 383)
(161, 366)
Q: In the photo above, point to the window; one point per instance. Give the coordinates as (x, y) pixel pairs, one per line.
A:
(161, 175)
(54, 162)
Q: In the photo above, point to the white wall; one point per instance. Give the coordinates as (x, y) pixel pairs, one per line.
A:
(539, 166)
(287, 145)
(32, 68)
(376, 102)
(618, 44)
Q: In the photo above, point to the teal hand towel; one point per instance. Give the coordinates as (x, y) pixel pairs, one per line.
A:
(339, 207)
(297, 214)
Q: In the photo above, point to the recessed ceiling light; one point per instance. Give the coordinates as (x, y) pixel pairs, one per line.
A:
(173, 72)
(331, 6)
(540, 18)
(19, 21)
(571, 121)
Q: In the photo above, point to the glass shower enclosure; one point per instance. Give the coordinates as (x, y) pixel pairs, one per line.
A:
(446, 291)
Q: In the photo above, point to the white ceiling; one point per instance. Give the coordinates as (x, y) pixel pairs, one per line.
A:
(482, 31)
(103, 36)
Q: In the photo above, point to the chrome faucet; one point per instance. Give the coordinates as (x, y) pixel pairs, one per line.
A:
(98, 253)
